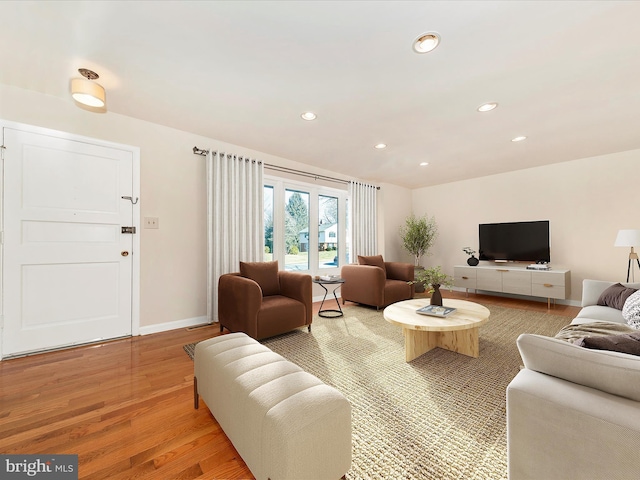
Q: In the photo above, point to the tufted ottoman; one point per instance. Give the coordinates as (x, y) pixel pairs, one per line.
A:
(284, 422)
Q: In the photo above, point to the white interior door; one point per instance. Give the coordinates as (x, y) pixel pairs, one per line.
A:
(66, 277)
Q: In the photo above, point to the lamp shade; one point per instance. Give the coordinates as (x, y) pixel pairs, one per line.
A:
(627, 238)
(88, 92)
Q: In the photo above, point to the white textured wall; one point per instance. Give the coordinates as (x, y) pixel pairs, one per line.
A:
(586, 201)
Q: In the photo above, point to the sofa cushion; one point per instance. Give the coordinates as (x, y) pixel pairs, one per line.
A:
(611, 372)
(598, 313)
(627, 343)
(373, 260)
(631, 310)
(264, 274)
(615, 296)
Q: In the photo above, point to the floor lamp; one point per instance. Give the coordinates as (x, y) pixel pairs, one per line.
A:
(629, 238)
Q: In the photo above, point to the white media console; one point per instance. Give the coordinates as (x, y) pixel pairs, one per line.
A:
(554, 283)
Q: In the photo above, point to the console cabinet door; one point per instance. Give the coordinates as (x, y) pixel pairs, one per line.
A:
(465, 277)
(516, 281)
(487, 279)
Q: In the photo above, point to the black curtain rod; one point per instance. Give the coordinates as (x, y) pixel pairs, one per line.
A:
(204, 153)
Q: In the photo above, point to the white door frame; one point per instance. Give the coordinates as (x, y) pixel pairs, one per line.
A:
(135, 273)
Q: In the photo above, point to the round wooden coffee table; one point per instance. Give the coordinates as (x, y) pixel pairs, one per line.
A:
(457, 332)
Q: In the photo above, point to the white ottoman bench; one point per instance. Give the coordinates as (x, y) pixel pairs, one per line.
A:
(284, 422)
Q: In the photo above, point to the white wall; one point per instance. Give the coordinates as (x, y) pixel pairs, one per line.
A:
(587, 201)
(394, 206)
(173, 188)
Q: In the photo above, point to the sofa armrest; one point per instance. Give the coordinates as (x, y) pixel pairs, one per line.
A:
(610, 372)
(399, 271)
(372, 277)
(299, 287)
(559, 430)
(239, 300)
(363, 284)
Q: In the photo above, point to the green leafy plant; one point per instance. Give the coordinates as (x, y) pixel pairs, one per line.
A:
(418, 235)
(431, 277)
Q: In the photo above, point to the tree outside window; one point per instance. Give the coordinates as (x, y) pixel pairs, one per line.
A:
(296, 230)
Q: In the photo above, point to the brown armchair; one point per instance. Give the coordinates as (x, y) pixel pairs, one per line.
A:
(376, 282)
(262, 301)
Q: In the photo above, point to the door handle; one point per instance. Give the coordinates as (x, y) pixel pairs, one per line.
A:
(124, 253)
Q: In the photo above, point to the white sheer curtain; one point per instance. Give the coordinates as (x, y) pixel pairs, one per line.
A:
(364, 225)
(235, 218)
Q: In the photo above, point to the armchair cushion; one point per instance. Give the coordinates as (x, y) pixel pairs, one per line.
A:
(280, 314)
(264, 274)
(374, 261)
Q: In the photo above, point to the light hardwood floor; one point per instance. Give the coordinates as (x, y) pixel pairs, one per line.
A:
(126, 406)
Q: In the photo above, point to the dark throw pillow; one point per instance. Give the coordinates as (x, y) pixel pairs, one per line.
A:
(374, 261)
(615, 296)
(627, 343)
(264, 274)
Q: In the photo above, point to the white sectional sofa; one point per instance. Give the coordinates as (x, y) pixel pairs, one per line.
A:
(574, 412)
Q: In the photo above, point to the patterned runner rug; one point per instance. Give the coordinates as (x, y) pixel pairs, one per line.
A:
(441, 416)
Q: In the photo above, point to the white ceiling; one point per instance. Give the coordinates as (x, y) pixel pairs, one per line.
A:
(565, 73)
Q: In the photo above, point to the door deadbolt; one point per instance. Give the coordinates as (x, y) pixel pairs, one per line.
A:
(124, 253)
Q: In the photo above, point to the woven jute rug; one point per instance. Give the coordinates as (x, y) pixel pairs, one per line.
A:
(440, 416)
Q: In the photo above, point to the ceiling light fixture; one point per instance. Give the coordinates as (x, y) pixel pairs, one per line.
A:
(426, 42)
(308, 116)
(86, 91)
(487, 107)
(519, 139)
(424, 164)
(380, 146)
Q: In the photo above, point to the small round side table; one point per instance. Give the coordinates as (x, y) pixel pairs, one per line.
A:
(330, 313)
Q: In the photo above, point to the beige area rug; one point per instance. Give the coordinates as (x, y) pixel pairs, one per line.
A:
(441, 416)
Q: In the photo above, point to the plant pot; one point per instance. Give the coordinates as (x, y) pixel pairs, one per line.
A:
(436, 296)
(472, 261)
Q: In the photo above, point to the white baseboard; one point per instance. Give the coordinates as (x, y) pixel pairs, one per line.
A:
(163, 327)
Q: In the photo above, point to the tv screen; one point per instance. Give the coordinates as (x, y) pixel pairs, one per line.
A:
(515, 241)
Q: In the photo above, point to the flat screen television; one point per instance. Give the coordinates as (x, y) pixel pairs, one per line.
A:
(515, 241)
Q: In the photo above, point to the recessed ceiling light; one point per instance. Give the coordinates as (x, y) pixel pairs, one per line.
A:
(308, 116)
(426, 42)
(518, 139)
(424, 164)
(380, 146)
(487, 107)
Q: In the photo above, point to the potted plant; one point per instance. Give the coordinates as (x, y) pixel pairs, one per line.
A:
(432, 279)
(418, 235)
(472, 260)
